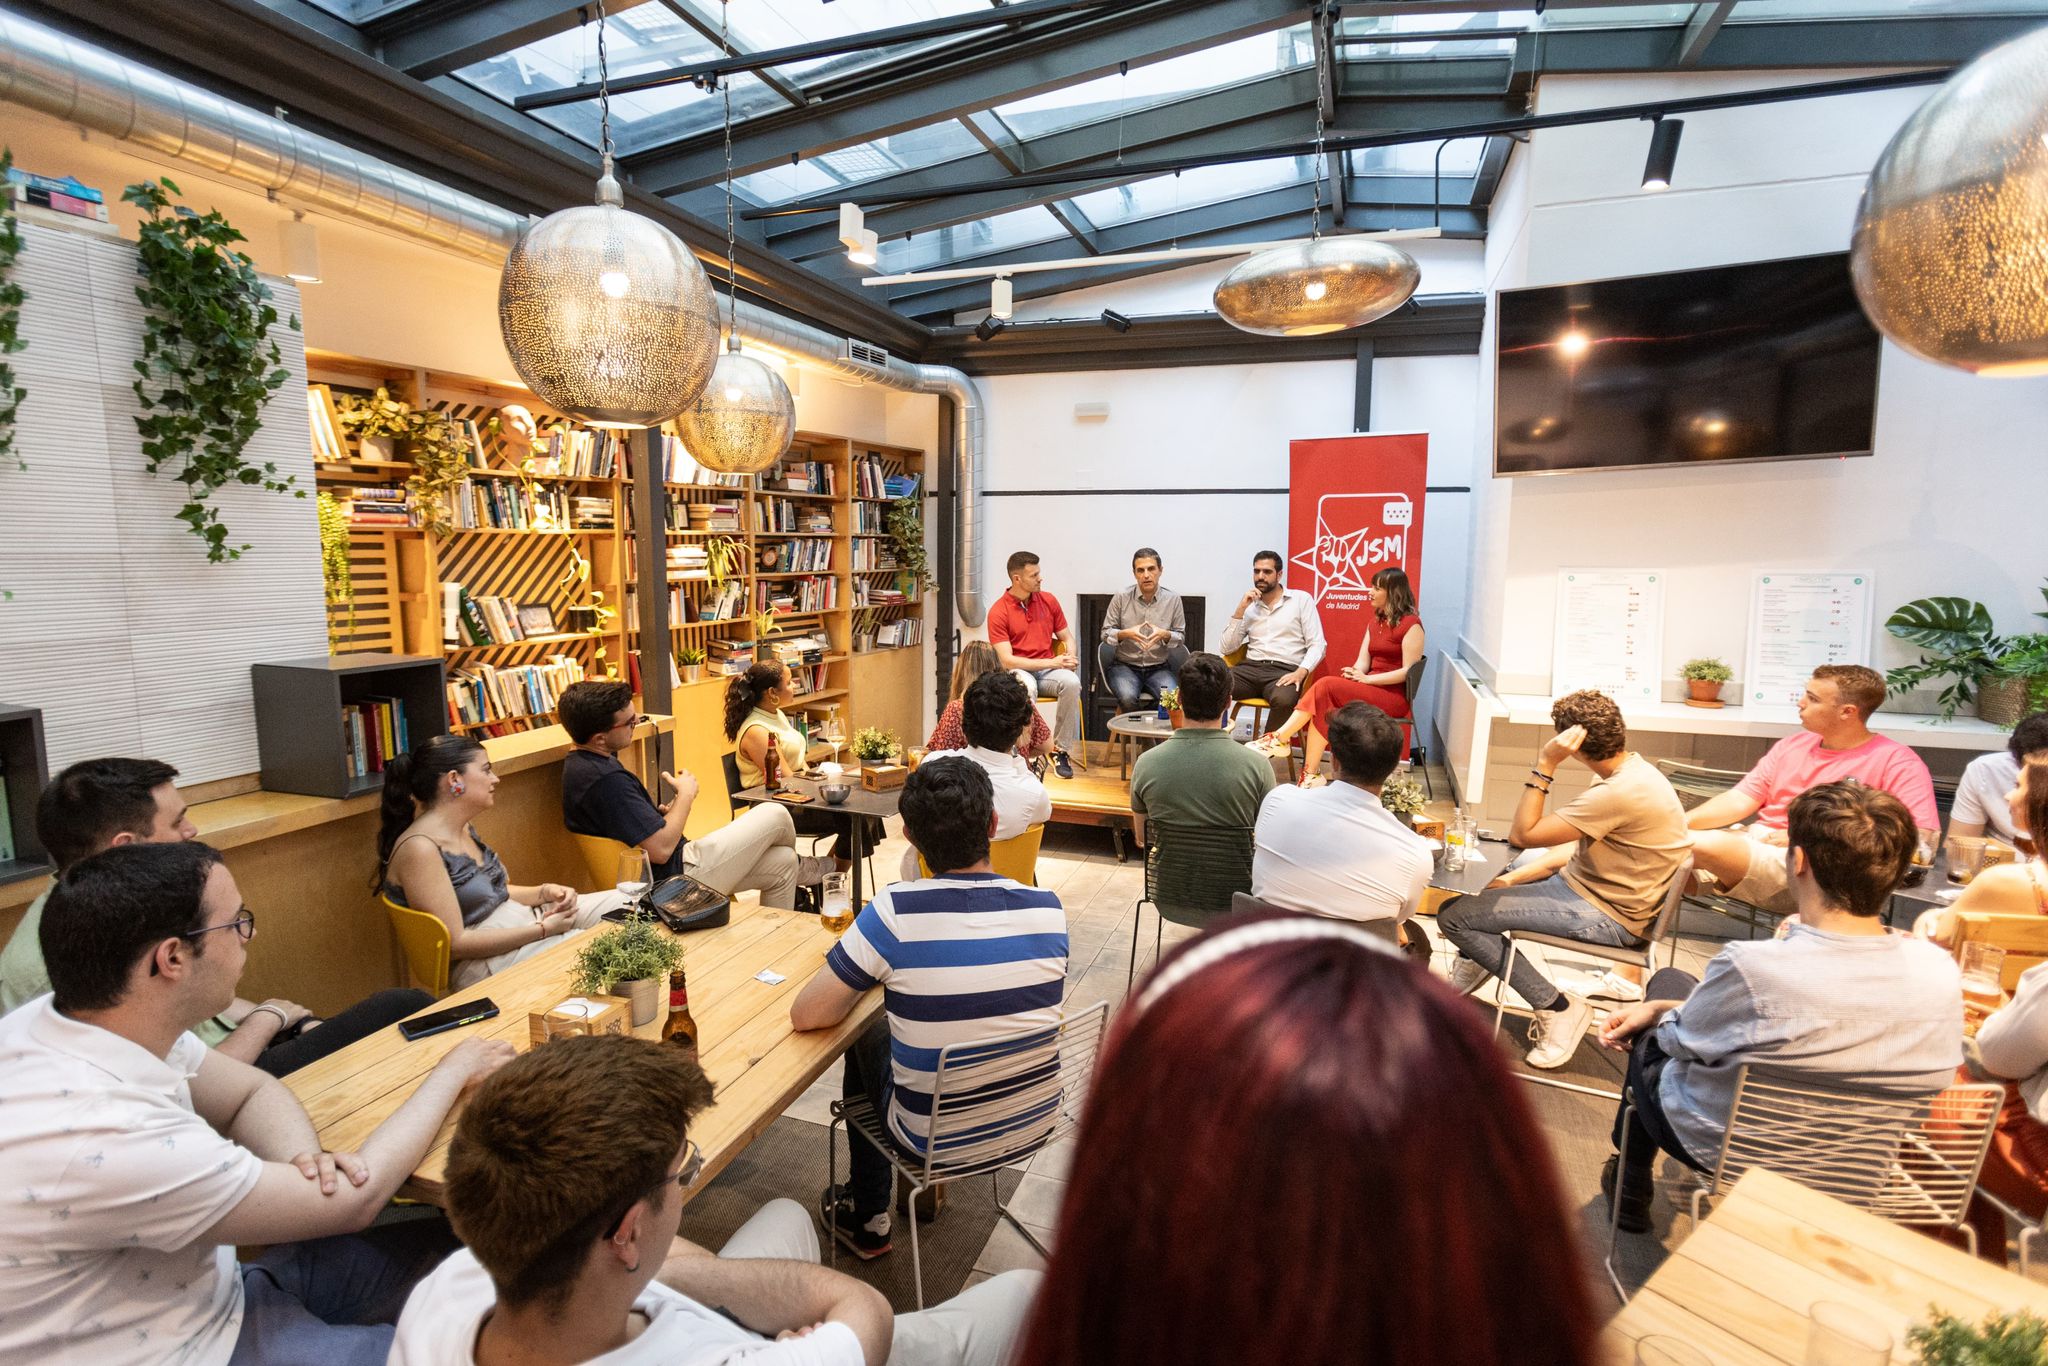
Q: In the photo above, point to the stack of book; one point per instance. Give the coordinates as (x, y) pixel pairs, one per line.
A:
(901, 486)
(481, 695)
(66, 195)
(805, 476)
(724, 517)
(373, 730)
(873, 555)
(729, 656)
(591, 513)
(781, 514)
(788, 596)
(577, 451)
(370, 505)
(688, 562)
(867, 594)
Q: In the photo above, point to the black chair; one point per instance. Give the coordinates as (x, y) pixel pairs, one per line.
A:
(1191, 874)
(1419, 756)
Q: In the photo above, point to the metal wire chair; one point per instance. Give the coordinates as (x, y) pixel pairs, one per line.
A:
(994, 1101)
(1696, 786)
(1912, 1159)
(1191, 872)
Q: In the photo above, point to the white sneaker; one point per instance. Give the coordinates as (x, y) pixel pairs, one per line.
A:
(1467, 976)
(1612, 986)
(1556, 1033)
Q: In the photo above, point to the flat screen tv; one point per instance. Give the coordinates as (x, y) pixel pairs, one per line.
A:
(1768, 360)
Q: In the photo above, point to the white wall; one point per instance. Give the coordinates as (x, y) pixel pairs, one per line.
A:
(1948, 504)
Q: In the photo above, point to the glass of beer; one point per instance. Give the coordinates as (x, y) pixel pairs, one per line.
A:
(1965, 858)
(836, 908)
(1983, 992)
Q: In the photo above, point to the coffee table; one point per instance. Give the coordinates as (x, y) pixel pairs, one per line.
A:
(1141, 728)
(859, 802)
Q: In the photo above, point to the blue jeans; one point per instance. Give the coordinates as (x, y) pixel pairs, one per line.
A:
(335, 1300)
(1649, 1131)
(1474, 923)
(1128, 682)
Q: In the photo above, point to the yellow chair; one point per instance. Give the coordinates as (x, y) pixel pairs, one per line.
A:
(601, 856)
(1015, 858)
(424, 939)
(1259, 704)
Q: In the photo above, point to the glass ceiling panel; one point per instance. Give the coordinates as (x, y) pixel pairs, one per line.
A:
(644, 38)
(766, 24)
(1876, 9)
(1004, 232)
(1491, 31)
(1262, 54)
(911, 150)
(1461, 158)
(1164, 195)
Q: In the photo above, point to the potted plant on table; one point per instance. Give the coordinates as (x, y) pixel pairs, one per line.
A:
(881, 758)
(1957, 642)
(1169, 707)
(691, 659)
(1402, 795)
(2018, 1339)
(633, 961)
(1703, 680)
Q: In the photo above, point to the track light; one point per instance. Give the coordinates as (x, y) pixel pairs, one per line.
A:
(866, 249)
(851, 223)
(1000, 298)
(987, 328)
(1116, 320)
(301, 251)
(1664, 135)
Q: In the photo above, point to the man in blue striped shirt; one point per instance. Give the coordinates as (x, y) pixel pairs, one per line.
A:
(963, 955)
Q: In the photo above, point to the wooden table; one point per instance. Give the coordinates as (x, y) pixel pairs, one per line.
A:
(859, 802)
(756, 1062)
(1740, 1288)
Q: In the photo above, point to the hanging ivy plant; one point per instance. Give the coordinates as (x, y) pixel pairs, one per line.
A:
(334, 569)
(11, 296)
(208, 364)
(905, 525)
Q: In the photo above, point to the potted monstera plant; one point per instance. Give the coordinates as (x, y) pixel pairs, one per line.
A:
(1957, 642)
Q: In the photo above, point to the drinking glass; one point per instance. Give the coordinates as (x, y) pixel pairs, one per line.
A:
(836, 911)
(1983, 990)
(1660, 1349)
(1837, 1335)
(634, 873)
(1965, 858)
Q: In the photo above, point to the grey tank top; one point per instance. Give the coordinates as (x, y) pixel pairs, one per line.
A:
(480, 888)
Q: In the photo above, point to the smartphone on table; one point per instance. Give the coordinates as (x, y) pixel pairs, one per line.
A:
(454, 1017)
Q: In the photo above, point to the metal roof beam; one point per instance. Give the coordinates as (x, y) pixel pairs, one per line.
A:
(440, 36)
(687, 11)
(1707, 18)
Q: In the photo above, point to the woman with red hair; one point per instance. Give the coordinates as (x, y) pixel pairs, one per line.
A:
(1301, 1148)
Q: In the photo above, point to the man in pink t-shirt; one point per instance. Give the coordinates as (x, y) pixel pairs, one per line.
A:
(1836, 743)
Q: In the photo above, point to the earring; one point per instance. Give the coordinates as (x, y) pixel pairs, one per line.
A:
(455, 787)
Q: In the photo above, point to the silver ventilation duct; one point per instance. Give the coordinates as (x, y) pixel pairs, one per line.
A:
(57, 75)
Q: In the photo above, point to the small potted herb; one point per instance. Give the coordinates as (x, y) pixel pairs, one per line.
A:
(1402, 795)
(633, 961)
(881, 758)
(1169, 707)
(2018, 1339)
(691, 659)
(1703, 680)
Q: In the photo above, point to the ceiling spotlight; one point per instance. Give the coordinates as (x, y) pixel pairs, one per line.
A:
(1664, 135)
(866, 248)
(1574, 344)
(987, 328)
(851, 223)
(301, 251)
(1116, 320)
(1000, 298)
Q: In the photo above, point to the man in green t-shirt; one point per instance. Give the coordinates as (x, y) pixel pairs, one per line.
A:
(100, 803)
(1200, 776)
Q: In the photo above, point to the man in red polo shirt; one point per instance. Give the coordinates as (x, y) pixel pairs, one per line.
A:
(1034, 642)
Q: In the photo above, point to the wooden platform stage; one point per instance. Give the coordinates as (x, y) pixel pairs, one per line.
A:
(1094, 796)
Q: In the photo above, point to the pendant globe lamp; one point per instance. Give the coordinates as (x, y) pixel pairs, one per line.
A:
(744, 419)
(1950, 251)
(606, 315)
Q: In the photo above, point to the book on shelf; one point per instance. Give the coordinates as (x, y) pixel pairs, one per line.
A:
(802, 557)
(805, 476)
(482, 694)
(373, 731)
(787, 596)
(329, 447)
(485, 619)
(772, 514)
(589, 512)
(878, 476)
(376, 505)
(722, 517)
(729, 656)
(870, 519)
(866, 594)
(577, 452)
(896, 634)
(680, 467)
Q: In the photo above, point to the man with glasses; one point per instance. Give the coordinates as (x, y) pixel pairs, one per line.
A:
(567, 1180)
(138, 1159)
(101, 803)
(755, 851)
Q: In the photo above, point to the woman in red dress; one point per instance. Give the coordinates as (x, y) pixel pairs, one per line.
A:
(1392, 646)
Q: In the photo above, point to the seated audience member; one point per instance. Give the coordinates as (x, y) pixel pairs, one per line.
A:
(1281, 635)
(139, 1159)
(567, 1179)
(1032, 639)
(1836, 743)
(1335, 850)
(2010, 888)
(430, 858)
(1393, 646)
(1836, 996)
(996, 713)
(1143, 632)
(103, 803)
(2012, 1047)
(964, 955)
(978, 657)
(754, 721)
(1370, 1129)
(1198, 777)
(1609, 856)
(755, 852)
(1981, 807)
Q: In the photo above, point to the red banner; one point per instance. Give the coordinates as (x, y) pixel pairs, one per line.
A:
(1354, 508)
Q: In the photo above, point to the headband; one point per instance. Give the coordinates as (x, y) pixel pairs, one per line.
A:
(1255, 937)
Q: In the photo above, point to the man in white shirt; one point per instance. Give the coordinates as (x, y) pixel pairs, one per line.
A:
(995, 714)
(567, 1180)
(1980, 807)
(1335, 851)
(138, 1159)
(1281, 635)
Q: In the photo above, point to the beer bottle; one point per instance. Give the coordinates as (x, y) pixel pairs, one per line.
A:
(680, 1027)
(771, 767)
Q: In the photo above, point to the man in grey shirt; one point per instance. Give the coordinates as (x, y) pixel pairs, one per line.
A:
(1144, 635)
(1838, 999)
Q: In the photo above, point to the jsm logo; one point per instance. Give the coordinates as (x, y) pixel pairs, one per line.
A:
(1357, 534)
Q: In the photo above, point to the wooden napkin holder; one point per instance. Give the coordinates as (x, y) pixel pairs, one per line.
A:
(883, 777)
(611, 1016)
(1429, 830)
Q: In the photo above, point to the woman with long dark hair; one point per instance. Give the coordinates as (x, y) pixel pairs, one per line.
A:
(754, 722)
(978, 657)
(430, 858)
(1392, 646)
(1291, 1085)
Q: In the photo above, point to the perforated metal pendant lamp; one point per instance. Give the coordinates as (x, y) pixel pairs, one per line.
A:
(607, 316)
(1950, 253)
(742, 422)
(1324, 285)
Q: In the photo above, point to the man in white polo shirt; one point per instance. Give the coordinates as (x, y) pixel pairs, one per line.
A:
(138, 1159)
(1335, 851)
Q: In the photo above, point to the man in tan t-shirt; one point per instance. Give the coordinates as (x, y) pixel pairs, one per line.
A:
(1610, 855)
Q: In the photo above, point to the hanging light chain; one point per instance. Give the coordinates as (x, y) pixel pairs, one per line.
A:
(732, 285)
(1315, 209)
(604, 96)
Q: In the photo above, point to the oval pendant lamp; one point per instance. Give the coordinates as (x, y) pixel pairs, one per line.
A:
(1326, 284)
(744, 419)
(606, 315)
(1950, 252)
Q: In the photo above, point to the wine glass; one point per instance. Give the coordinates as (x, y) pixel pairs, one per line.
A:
(635, 874)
